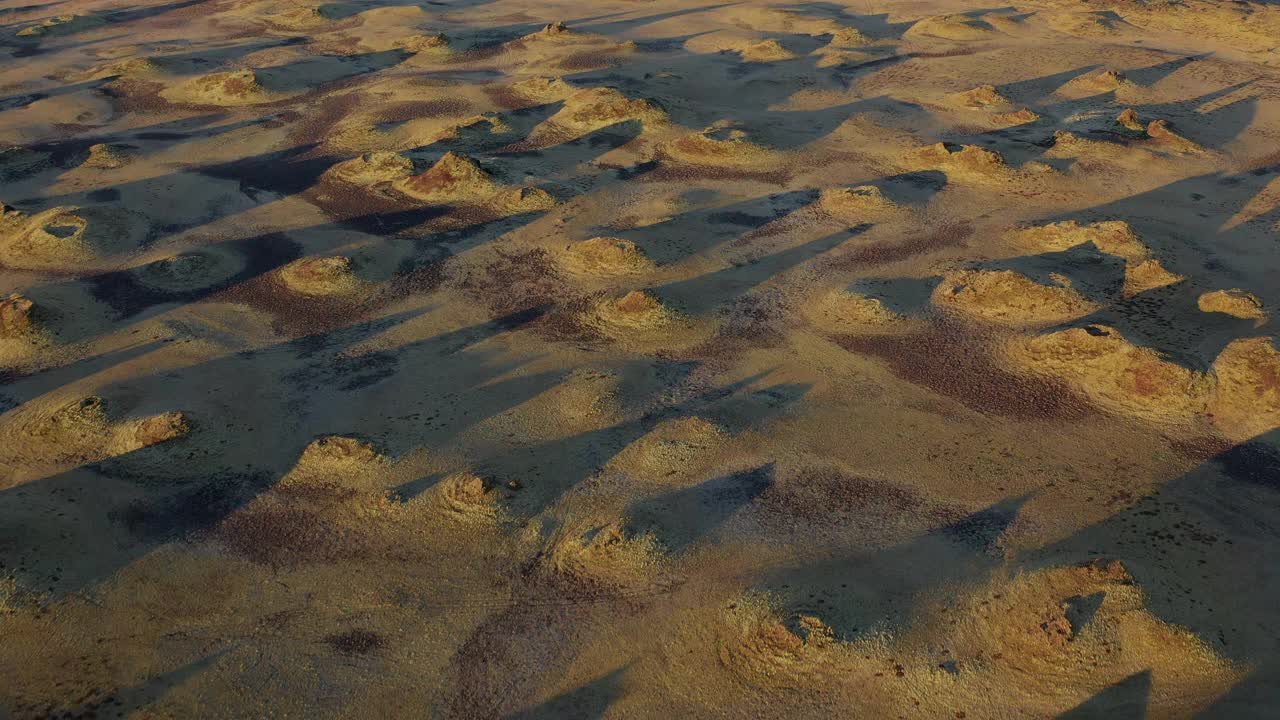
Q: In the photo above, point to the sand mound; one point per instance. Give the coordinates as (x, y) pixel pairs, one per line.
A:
(768, 50)
(751, 47)
(988, 98)
(328, 508)
(457, 179)
(435, 45)
(844, 311)
(762, 645)
(82, 431)
(967, 160)
(606, 257)
(1162, 132)
(1010, 298)
(1017, 117)
(543, 88)
(952, 27)
(22, 339)
(1128, 119)
(848, 37)
(1094, 84)
(1113, 237)
(635, 311)
(717, 145)
(160, 428)
(607, 557)
(1147, 275)
(1086, 622)
(237, 87)
(1241, 395)
(983, 96)
(678, 447)
(338, 453)
(1246, 403)
(107, 157)
(1086, 24)
(1115, 374)
(1234, 302)
(553, 31)
(594, 108)
(297, 18)
(464, 497)
(189, 271)
(15, 316)
(825, 494)
(320, 276)
(1067, 144)
(372, 168)
(63, 237)
(859, 202)
(59, 25)
(132, 68)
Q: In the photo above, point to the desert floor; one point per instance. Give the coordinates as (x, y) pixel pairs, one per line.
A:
(625, 359)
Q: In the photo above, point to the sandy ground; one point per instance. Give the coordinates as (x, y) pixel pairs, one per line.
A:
(623, 359)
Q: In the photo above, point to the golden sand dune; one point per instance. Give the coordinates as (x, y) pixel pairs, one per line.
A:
(762, 359)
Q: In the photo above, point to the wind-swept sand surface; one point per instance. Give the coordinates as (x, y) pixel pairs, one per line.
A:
(639, 359)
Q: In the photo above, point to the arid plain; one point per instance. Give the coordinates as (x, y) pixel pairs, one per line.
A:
(624, 359)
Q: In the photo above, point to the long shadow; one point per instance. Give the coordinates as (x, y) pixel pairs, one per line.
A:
(1094, 116)
(589, 702)
(1033, 90)
(727, 86)
(207, 58)
(874, 25)
(552, 468)
(1167, 319)
(63, 154)
(129, 15)
(19, 49)
(19, 387)
(1126, 700)
(696, 231)
(616, 27)
(124, 702)
(1153, 74)
(289, 172)
(277, 173)
(682, 518)
(1205, 549)
(1194, 245)
(790, 129)
(104, 18)
(75, 529)
(133, 298)
(319, 73)
(702, 293)
(549, 162)
(17, 102)
(19, 9)
(862, 592)
(1214, 129)
(521, 122)
(501, 662)
(490, 38)
(1185, 223)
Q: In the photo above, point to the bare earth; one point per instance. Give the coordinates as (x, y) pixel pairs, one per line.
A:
(626, 359)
